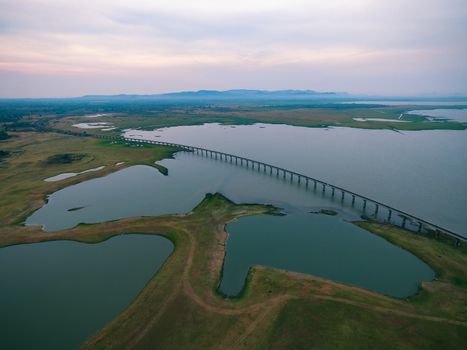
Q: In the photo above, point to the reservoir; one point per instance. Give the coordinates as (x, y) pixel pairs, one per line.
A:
(406, 170)
(322, 246)
(55, 295)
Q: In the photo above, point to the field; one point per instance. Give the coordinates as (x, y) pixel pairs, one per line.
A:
(180, 307)
(149, 114)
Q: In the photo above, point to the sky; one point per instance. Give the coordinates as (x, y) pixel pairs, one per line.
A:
(61, 48)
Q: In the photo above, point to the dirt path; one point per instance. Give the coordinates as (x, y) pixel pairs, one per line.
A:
(282, 298)
(266, 308)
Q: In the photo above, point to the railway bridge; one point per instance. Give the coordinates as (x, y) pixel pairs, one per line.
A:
(368, 208)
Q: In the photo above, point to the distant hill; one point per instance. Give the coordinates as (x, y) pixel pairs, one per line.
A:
(229, 95)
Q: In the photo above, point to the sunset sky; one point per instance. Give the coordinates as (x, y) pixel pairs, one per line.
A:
(57, 48)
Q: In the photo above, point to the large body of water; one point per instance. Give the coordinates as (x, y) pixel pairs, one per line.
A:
(420, 172)
(55, 295)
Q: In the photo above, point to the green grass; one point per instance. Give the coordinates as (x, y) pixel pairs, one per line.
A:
(315, 116)
(331, 325)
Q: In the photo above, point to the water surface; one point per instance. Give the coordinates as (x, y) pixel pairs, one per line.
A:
(322, 246)
(419, 172)
(459, 115)
(55, 295)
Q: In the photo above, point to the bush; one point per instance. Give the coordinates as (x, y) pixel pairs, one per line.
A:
(4, 135)
(65, 158)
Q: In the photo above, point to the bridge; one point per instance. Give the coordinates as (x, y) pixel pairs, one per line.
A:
(369, 208)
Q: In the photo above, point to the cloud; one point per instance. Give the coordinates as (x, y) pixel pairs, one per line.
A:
(122, 39)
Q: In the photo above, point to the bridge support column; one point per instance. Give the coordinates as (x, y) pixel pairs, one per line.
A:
(457, 242)
(332, 192)
(419, 227)
(404, 219)
(306, 182)
(376, 210)
(314, 185)
(324, 189)
(342, 196)
(284, 173)
(364, 204)
(299, 179)
(353, 200)
(389, 215)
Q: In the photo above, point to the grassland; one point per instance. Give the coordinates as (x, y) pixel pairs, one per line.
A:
(150, 116)
(180, 308)
(22, 173)
(241, 115)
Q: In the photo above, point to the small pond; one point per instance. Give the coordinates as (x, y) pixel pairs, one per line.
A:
(323, 246)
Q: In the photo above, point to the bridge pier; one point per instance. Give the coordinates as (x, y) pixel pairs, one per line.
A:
(419, 227)
(314, 185)
(324, 188)
(376, 210)
(389, 215)
(364, 204)
(332, 192)
(404, 219)
(353, 200)
(342, 196)
(306, 182)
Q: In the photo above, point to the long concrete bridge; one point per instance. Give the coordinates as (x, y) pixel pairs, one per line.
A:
(369, 208)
